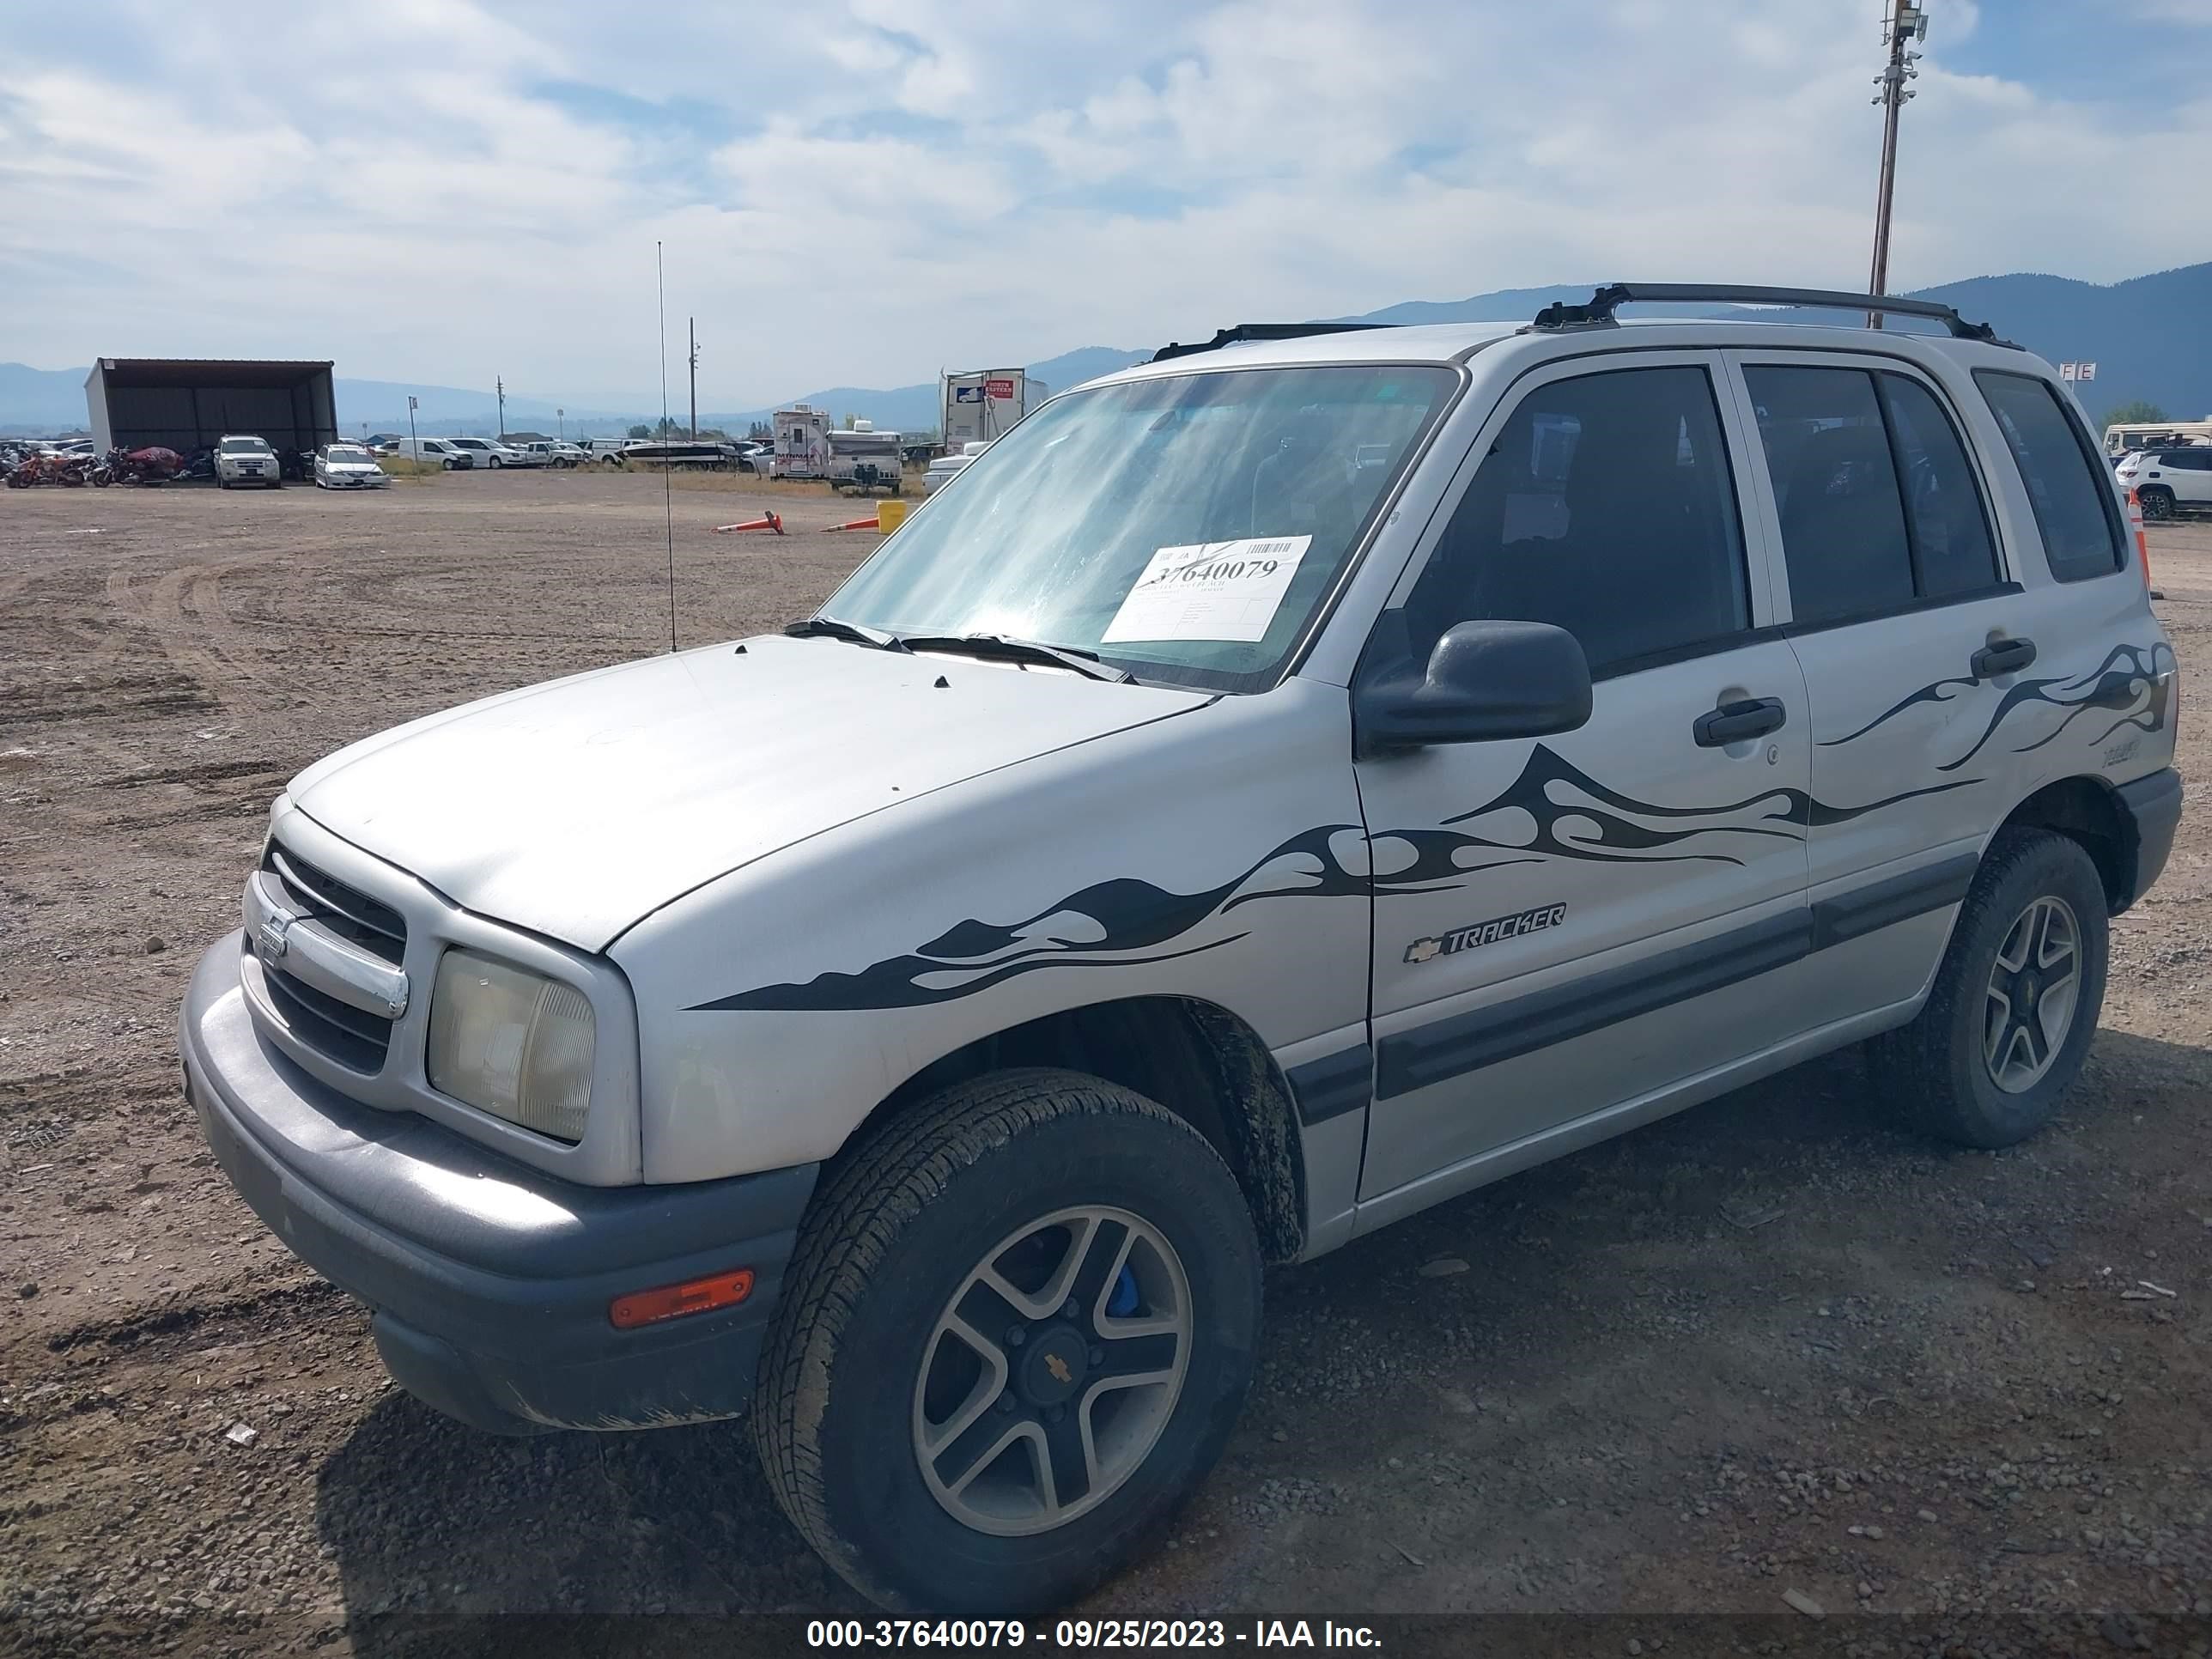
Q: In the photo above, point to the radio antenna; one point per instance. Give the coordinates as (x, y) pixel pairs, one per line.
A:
(667, 472)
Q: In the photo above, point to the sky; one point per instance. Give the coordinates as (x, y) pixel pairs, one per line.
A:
(862, 191)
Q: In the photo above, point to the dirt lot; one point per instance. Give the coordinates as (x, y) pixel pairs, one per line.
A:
(1770, 1346)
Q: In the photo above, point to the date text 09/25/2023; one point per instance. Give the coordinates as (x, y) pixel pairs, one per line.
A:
(1087, 1633)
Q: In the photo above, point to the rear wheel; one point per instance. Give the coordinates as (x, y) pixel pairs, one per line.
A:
(2014, 1005)
(1018, 1327)
(2157, 502)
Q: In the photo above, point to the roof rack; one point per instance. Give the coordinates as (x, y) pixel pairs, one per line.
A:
(1257, 331)
(1603, 304)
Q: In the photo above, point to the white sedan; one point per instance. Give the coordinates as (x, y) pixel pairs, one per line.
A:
(944, 468)
(347, 466)
(491, 453)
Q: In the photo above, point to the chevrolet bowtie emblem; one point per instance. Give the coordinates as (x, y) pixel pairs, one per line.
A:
(1058, 1367)
(270, 936)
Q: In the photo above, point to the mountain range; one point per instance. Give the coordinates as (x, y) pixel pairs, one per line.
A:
(2150, 337)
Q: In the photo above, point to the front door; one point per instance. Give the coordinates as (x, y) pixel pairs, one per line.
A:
(1564, 925)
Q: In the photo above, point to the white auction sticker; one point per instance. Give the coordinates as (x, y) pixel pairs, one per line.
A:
(1210, 590)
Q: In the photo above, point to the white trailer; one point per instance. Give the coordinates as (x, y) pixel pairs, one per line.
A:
(865, 459)
(979, 404)
(802, 443)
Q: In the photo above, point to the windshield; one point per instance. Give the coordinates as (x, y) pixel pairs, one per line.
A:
(1187, 528)
(244, 447)
(346, 452)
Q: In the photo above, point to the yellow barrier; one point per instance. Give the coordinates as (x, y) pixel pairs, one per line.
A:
(889, 515)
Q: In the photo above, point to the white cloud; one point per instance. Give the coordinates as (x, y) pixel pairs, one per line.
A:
(860, 192)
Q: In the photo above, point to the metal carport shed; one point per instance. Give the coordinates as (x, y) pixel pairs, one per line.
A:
(188, 404)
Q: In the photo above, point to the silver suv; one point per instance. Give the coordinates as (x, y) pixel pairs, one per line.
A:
(1271, 791)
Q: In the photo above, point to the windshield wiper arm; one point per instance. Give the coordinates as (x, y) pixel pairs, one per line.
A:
(1000, 648)
(830, 628)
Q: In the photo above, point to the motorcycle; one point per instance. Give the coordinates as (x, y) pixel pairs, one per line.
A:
(150, 466)
(48, 469)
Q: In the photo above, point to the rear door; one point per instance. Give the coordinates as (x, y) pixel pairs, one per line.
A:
(1564, 925)
(1908, 626)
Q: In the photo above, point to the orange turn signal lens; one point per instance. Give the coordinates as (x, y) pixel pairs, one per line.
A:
(693, 1295)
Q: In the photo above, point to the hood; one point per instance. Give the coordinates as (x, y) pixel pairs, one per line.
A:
(576, 807)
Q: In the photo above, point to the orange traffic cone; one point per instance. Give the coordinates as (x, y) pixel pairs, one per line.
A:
(767, 521)
(868, 523)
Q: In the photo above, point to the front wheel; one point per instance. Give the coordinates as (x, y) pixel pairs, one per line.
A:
(2014, 1005)
(1018, 1327)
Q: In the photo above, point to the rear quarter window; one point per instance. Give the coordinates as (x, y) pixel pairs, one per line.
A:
(2074, 504)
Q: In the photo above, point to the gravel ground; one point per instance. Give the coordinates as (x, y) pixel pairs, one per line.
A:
(1769, 1354)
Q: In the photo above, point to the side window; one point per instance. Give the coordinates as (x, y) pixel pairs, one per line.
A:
(1605, 505)
(2073, 500)
(1835, 486)
(1951, 550)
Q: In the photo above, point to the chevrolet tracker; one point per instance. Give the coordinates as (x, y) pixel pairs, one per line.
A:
(1269, 791)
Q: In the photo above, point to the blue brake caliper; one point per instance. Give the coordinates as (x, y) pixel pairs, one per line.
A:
(1123, 1301)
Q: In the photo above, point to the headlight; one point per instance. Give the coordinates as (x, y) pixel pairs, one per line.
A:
(513, 1043)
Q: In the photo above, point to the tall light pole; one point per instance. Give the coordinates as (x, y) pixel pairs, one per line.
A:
(561, 424)
(1907, 22)
(501, 385)
(695, 379)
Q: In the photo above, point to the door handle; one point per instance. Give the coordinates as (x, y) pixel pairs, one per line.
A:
(2004, 657)
(1734, 722)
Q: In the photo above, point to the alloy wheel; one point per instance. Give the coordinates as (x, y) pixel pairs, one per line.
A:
(2034, 987)
(1051, 1370)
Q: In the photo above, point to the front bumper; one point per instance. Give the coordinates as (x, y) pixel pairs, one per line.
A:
(488, 1281)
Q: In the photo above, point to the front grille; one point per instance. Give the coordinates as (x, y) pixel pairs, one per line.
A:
(347, 1035)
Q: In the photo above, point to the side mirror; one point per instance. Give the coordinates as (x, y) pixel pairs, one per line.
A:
(1483, 681)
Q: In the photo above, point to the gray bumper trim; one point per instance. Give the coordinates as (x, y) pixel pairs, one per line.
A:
(491, 1280)
(2153, 808)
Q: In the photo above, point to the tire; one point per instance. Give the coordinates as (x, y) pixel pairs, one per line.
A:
(496, 464)
(1935, 1073)
(908, 1220)
(2157, 502)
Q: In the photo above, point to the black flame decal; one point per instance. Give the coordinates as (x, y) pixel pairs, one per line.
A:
(1128, 922)
(2132, 681)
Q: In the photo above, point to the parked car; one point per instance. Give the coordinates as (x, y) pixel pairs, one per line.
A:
(944, 468)
(243, 459)
(349, 466)
(2168, 482)
(491, 454)
(437, 451)
(553, 451)
(924, 1035)
(607, 451)
(385, 443)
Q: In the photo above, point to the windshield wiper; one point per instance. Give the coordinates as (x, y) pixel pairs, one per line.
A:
(997, 648)
(829, 627)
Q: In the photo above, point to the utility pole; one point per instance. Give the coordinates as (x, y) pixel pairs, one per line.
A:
(414, 445)
(501, 385)
(694, 326)
(561, 424)
(1907, 22)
